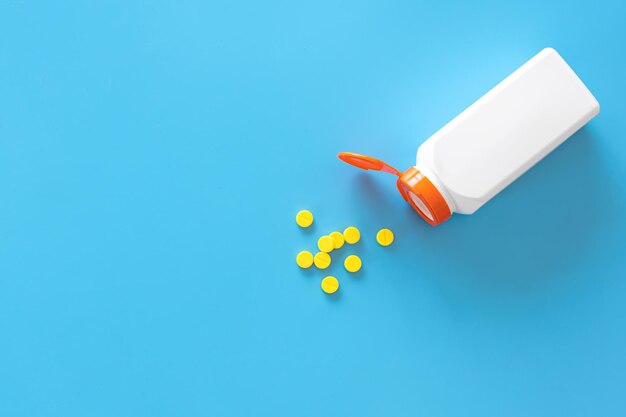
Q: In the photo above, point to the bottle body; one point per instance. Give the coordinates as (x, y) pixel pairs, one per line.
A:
(506, 132)
(494, 141)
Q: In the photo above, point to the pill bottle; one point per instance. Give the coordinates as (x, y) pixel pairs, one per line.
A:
(493, 141)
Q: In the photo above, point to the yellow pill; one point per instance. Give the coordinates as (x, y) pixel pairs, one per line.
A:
(384, 237)
(352, 263)
(337, 239)
(304, 218)
(352, 235)
(322, 260)
(325, 243)
(330, 285)
(304, 259)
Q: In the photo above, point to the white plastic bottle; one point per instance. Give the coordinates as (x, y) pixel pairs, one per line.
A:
(494, 141)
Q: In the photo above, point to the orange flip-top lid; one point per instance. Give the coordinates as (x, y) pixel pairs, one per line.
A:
(367, 162)
(414, 186)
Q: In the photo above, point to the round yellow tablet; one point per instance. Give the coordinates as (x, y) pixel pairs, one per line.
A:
(384, 237)
(321, 260)
(330, 285)
(304, 259)
(337, 239)
(352, 263)
(325, 243)
(304, 218)
(352, 235)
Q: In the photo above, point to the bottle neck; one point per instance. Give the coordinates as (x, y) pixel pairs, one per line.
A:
(438, 185)
(420, 192)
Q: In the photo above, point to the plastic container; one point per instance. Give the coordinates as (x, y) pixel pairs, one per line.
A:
(494, 141)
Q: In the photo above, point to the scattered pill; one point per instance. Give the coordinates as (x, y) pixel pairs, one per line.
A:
(304, 259)
(322, 260)
(384, 237)
(337, 239)
(351, 235)
(304, 218)
(330, 285)
(325, 244)
(352, 263)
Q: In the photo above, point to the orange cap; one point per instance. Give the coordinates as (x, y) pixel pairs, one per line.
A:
(414, 186)
(423, 196)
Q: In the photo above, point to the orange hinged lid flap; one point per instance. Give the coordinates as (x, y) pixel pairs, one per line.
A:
(367, 162)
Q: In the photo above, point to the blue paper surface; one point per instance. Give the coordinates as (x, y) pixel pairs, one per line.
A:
(153, 156)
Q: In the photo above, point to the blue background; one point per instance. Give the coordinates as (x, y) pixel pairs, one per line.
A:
(153, 156)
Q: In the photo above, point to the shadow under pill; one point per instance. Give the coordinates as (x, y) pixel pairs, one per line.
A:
(360, 274)
(334, 297)
(309, 272)
(308, 231)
